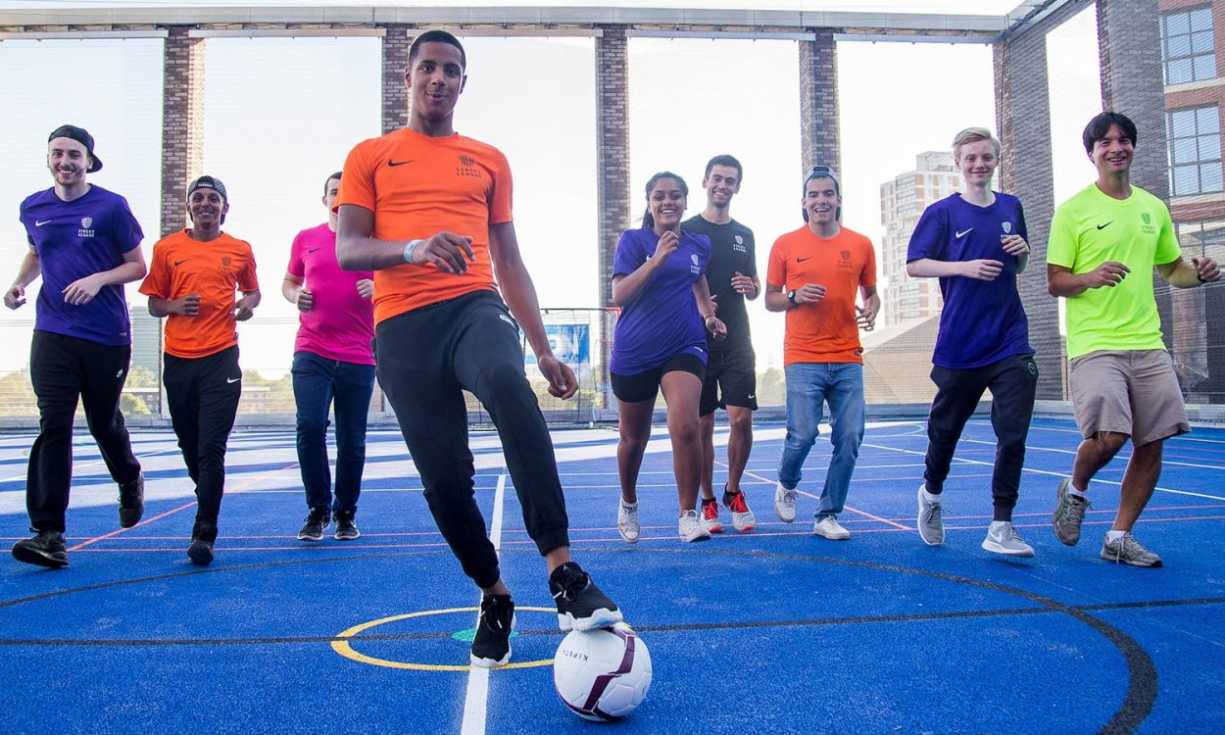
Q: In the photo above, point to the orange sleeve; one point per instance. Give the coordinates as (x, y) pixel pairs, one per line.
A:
(867, 279)
(500, 202)
(157, 281)
(246, 278)
(357, 180)
(776, 271)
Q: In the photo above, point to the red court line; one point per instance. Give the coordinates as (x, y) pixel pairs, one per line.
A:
(119, 531)
(172, 511)
(221, 549)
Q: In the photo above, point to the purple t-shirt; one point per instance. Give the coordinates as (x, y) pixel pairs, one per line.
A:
(663, 319)
(76, 239)
(340, 324)
(983, 322)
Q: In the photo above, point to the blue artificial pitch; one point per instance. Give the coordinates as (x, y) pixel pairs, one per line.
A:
(773, 631)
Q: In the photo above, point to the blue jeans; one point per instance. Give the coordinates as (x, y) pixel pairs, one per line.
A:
(316, 381)
(808, 386)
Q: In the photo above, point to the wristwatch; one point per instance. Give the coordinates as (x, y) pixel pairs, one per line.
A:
(791, 298)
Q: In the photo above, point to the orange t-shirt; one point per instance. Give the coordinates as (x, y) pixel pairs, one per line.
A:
(417, 186)
(825, 331)
(212, 269)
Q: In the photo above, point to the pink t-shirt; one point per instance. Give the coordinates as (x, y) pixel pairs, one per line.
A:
(340, 324)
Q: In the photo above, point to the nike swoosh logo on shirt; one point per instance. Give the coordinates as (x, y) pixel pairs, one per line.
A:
(1102, 227)
(41, 222)
(801, 260)
(397, 163)
(963, 233)
(232, 380)
(312, 250)
(181, 262)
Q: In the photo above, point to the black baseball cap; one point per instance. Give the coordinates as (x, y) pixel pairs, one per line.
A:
(82, 136)
(208, 182)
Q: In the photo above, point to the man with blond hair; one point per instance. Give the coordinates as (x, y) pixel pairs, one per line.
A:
(975, 243)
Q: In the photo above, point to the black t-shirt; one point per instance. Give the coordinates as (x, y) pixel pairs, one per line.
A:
(732, 250)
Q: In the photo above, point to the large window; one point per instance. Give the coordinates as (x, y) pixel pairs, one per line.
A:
(1195, 150)
(1187, 47)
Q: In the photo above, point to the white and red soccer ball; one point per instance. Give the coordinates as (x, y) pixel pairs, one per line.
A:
(602, 674)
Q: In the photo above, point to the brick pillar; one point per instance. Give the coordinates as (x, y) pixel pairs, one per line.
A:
(1023, 124)
(612, 166)
(395, 61)
(819, 102)
(1129, 46)
(182, 123)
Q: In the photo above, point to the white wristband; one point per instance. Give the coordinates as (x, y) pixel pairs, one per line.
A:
(409, 247)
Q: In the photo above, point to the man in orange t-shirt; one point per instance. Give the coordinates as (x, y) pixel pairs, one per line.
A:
(192, 280)
(429, 211)
(815, 274)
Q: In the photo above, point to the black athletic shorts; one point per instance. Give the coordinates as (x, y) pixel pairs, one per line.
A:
(643, 386)
(731, 380)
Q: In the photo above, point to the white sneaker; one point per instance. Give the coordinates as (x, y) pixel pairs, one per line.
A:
(627, 522)
(743, 519)
(710, 516)
(690, 527)
(784, 503)
(1002, 538)
(830, 529)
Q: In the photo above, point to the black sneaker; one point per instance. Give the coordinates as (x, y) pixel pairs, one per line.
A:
(132, 501)
(491, 644)
(46, 549)
(203, 535)
(317, 520)
(346, 526)
(580, 604)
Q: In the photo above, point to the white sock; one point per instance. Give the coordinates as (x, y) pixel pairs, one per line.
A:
(934, 499)
(999, 525)
(1113, 535)
(1073, 490)
(629, 506)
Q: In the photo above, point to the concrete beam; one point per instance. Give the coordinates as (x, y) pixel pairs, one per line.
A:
(197, 16)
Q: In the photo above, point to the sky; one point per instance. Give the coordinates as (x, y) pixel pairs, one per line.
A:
(274, 131)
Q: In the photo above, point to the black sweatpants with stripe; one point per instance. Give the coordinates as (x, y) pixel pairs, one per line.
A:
(426, 359)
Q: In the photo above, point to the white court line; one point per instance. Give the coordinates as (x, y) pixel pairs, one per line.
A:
(865, 514)
(476, 700)
(1127, 456)
(1182, 438)
(1052, 474)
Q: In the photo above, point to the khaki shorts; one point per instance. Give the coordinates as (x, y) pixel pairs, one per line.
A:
(1133, 392)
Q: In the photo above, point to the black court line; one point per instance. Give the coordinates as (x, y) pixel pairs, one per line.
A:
(677, 628)
(1142, 672)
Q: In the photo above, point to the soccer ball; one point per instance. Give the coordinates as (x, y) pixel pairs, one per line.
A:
(602, 674)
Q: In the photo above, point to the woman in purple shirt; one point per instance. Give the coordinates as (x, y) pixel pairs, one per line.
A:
(659, 283)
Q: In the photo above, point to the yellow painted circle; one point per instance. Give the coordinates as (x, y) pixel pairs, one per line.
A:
(344, 649)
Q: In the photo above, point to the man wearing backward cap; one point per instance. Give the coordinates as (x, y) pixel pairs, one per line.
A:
(192, 281)
(85, 244)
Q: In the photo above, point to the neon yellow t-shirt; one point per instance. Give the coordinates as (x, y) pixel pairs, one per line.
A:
(1092, 228)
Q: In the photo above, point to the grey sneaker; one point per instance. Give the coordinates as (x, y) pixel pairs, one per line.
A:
(1002, 538)
(930, 523)
(1127, 550)
(1069, 514)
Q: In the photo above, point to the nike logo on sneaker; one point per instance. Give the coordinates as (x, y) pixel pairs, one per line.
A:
(1102, 227)
(41, 222)
(963, 233)
(397, 163)
(232, 380)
